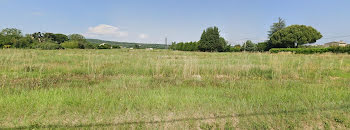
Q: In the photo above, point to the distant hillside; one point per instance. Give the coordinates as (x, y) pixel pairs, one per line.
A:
(128, 44)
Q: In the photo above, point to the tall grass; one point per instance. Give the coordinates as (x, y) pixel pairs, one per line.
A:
(162, 89)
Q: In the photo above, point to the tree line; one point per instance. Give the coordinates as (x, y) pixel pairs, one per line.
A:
(13, 38)
(280, 36)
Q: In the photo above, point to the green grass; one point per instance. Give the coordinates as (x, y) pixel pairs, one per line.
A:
(159, 89)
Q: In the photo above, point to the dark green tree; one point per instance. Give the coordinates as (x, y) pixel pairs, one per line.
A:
(24, 42)
(10, 36)
(104, 46)
(262, 46)
(136, 46)
(76, 37)
(293, 36)
(49, 36)
(12, 32)
(210, 40)
(38, 36)
(249, 46)
(281, 24)
(60, 38)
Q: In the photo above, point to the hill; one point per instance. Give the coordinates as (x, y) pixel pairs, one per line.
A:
(128, 44)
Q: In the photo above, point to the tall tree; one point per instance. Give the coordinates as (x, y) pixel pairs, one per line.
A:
(210, 40)
(60, 38)
(10, 36)
(294, 36)
(249, 46)
(281, 24)
(76, 37)
(12, 32)
(38, 36)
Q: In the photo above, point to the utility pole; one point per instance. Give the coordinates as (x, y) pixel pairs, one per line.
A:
(166, 42)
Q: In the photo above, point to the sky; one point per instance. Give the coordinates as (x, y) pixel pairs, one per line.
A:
(150, 21)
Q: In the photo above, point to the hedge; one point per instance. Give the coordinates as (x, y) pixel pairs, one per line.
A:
(312, 50)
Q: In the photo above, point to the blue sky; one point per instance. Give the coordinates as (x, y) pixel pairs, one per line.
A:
(180, 20)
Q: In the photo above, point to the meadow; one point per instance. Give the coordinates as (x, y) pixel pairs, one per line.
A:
(163, 89)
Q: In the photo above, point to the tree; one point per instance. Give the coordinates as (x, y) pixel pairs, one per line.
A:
(281, 24)
(38, 36)
(82, 42)
(249, 46)
(211, 41)
(294, 35)
(1, 40)
(49, 36)
(136, 46)
(222, 46)
(76, 37)
(12, 32)
(104, 46)
(10, 36)
(262, 46)
(24, 42)
(60, 38)
(70, 44)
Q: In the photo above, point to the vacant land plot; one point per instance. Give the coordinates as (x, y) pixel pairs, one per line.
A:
(161, 89)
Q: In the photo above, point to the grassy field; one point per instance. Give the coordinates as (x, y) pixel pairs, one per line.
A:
(160, 89)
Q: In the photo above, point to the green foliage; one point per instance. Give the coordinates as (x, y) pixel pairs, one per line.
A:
(24, 42)
(262, 46)
(293, 36)
(104, 46)
(211, 41)
(281, 24)
(338, 49)
(70, 44)
(312, 50)
(249, 46)
(58, 38)
(10, 36)
(236, 48)
(38, 36)
(128, 44)
(77, 45)
(185, 46)
(79, 41)
(136, 46)
(115, 47)
(76, 37)
(47, 46)
(11, 32)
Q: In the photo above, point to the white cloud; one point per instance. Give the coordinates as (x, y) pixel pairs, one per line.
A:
(143, 36)
(104, 30)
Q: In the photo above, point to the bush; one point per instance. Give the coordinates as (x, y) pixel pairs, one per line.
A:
(116, 47)
(185, 46)
(249, 46)
(47, 46)
(104, 46)
(235, 49)
(312, 50)
(70, 44)
(338, 49)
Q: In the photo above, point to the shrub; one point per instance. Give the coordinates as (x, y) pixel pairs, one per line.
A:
(104, 46)
(115, 47)
(70, 44)
(235, 49)
(47, 46)
(249, 46)
(312, 50)
(185, 46)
